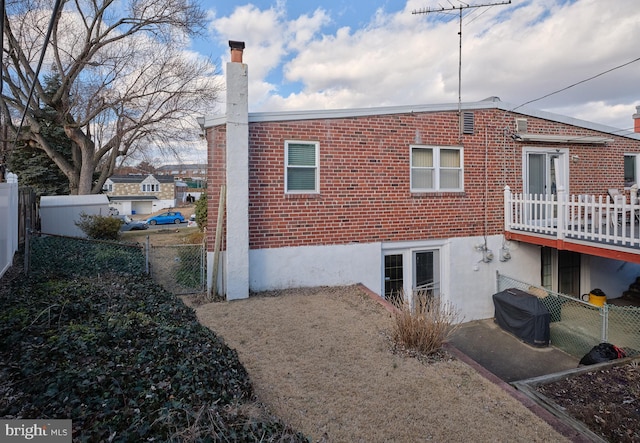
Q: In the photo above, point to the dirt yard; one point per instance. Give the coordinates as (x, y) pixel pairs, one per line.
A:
(322, 361)
(605, 399)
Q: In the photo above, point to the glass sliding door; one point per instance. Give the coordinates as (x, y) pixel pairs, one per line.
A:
(546, 171)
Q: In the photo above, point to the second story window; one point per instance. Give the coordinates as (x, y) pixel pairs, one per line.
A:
(107, 187)
(150, 187)
(436, 168)
(301, 171)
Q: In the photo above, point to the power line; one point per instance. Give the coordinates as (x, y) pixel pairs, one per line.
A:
(577, 83)
(47, 37)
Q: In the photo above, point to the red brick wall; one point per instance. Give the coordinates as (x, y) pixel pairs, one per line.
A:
(216, 177)
(364, 177)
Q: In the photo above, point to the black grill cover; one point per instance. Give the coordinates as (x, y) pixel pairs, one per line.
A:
(523, 315)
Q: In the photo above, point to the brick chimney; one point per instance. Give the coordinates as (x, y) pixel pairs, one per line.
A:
(636, 120)
(236, 51)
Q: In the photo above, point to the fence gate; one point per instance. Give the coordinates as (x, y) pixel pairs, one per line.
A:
(180, 269)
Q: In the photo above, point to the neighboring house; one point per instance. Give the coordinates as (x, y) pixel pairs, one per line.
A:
(140, 194)
(192, 179)
(195, 171)
(400, 198)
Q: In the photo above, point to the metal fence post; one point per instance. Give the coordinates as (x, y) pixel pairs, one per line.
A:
(604, 312)
(27, 249)
(146, 254)
(203, 265)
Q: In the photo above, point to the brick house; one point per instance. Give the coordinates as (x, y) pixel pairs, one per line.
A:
(140, 194)
(193, 178)
(399, 198)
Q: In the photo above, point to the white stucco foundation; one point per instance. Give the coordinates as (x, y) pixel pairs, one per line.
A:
(308, 266)
(467, 282)
(472, 282)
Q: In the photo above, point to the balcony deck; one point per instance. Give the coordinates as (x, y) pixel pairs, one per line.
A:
(594, 225)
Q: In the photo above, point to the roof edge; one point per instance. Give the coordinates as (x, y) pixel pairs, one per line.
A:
(488, 103)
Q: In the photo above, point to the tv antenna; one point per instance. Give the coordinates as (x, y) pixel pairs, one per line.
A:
(460, 8)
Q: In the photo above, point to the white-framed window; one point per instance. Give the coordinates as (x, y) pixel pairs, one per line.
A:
(107, 187)
(436, 168)
(150, 187)
(631, 169)
(301, 167)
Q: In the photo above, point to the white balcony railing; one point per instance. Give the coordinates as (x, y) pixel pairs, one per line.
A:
(594, 218)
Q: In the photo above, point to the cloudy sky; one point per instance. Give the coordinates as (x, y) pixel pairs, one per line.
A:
(362, 53)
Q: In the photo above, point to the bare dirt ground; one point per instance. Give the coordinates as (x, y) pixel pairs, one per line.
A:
(606, 400)
(321, 360)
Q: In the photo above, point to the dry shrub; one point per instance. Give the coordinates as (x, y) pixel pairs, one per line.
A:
(425, 326)
(194, 238)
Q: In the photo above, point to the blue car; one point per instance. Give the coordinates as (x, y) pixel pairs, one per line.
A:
(166, 218)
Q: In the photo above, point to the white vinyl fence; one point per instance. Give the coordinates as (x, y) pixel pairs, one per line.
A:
(8, 222)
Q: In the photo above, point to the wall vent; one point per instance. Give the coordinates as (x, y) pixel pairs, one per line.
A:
(521, 125)
(468, 121)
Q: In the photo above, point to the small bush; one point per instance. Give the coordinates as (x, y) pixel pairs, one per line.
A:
(201, 211)
(99, 227)
(427, 325)
(194, 238)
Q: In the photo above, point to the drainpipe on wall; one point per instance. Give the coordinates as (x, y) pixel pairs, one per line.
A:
(237, 145)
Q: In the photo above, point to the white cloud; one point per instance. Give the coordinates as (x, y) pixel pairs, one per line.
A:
(519, 53)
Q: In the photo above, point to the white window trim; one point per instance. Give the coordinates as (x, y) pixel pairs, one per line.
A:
(563, 179)
(316, 189)
(408, 250)
(637, 166)
(436, 168)
(154, 187)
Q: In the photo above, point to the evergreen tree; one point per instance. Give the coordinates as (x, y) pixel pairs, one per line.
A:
(32, 165)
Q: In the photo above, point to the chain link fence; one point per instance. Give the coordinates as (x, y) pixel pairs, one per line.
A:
(180, 269)
(58, 255)
(577, 326)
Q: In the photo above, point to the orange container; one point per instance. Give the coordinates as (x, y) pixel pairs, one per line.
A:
(597, 297)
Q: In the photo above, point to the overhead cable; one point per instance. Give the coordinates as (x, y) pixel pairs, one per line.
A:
(577, 83)
(47, 37)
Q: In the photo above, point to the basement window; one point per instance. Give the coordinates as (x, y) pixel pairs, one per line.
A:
(301, 171)
(436, 168)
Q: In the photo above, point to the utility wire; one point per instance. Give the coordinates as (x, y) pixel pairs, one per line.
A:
(577, 83)
(484, 11)
(56, 8)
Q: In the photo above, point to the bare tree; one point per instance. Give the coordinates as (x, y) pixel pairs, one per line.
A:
(126, 82)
